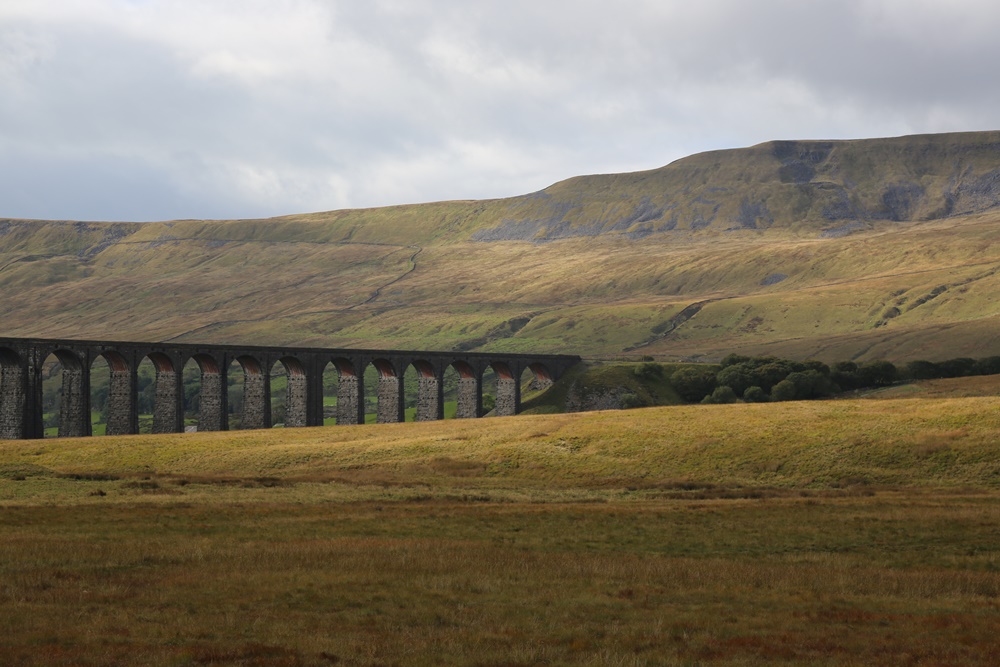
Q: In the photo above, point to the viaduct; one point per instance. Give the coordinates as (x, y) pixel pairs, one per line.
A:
(21, 362)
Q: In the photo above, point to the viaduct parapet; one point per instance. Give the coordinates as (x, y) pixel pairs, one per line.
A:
(21, 375)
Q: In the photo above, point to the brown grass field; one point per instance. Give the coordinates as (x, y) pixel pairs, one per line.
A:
(843, 532)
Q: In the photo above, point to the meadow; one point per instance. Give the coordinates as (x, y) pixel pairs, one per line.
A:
(856, 531)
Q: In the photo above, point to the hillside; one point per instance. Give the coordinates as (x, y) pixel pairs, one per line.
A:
(837, 250)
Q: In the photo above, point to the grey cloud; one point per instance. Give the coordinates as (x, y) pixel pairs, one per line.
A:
(315, 105)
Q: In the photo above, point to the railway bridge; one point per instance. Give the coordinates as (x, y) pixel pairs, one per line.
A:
(22, 361)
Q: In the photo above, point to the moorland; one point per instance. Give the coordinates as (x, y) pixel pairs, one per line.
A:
(839, 532)
(855, 530)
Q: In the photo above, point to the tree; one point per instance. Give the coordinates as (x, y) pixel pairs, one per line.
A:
(755, 395)
(810, 384)
(922, 370)
(784, 391)
(956, 368)
(877, 374)
(693, 384)
(738, 377)
(733, 359)
(721, 395)
(649, 372)
(988, 366)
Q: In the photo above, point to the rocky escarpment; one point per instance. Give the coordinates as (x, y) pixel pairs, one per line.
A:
(830, 187)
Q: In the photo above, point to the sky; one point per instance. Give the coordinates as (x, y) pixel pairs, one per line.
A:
(145, 110)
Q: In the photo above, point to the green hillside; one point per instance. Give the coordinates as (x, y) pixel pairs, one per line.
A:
(837, 250)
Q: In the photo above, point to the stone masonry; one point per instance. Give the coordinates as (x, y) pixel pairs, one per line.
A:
(22, 361)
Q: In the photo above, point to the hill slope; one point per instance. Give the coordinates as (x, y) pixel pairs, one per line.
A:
(856, 249)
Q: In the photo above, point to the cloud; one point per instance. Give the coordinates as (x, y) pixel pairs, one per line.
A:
(155, 109)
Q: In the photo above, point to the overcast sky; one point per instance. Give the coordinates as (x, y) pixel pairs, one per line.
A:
(162, 109)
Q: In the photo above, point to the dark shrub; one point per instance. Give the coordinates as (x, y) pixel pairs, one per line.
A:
(738, 377)
(988, 366)
(877, 374)
(810, 384)
(721, 395)
(693, 384)
(649, 372)
(733, 359)
(755, 395)
(784, 391)
(922, 370)
(957, 368)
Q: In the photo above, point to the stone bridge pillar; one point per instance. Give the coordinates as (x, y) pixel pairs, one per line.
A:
(12, 396)
(212, 402)
(350, 393)
(430, 393)
(508, 391)
(296, 398)
(470, 392)
(168, 402)
(122, 417)
(256, 395)
(390, 394)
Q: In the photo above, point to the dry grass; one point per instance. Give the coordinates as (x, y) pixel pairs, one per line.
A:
(837, 533)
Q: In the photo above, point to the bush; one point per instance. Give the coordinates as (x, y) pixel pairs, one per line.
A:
(721, 395)
(810, 384)
(784, 391)
(649, 372)
(693, 384)
(956, 368)
(738, 376)
(733, 359)
(755, 395)
(922, 370)
(877, 374)
(988, 366)
(629, 401)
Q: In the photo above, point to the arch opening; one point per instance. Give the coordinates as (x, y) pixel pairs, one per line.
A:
(489, 389)
(65, 399)
(534, 381)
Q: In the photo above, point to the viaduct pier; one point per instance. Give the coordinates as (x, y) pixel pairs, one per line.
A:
(21, 375)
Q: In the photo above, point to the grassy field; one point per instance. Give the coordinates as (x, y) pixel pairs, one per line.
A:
(848, 532)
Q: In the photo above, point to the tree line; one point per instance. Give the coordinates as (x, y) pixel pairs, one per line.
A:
(761, 379)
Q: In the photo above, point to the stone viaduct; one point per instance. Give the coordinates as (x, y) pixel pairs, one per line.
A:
(21, 362)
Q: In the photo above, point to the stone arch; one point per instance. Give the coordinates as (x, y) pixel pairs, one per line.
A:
(72, 396)
(469, 395)
(543, 377)
(430, 392)
(508, 390)
(389, 392)
(12, 395)
(254, 411)
(119, 401)
(294, 400)
(350, 396)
